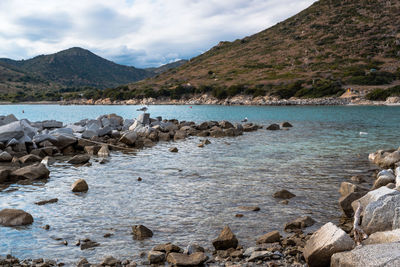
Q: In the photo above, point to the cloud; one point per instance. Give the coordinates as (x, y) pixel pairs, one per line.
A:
(142, 33)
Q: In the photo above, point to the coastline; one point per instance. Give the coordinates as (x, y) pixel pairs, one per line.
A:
(233, 101)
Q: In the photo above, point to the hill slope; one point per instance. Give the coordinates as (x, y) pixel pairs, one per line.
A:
(77, 67)
(330, 44)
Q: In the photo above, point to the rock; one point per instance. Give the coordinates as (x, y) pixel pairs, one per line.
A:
(384, 177)
(44, 202)
(249, 127)
(193, 248)
(250, 208)
(156, 257)
(200, 145)
(92, 150)
(299, 223)
(164, 136)
(225, 124)
(183, 260)
(83, 263)
(88, 134)
(382, 214)
(104, 131)
(167, 248)
(79, 159)
(10, 131)
(87, 243)
(377, 255)
(5, 157)
(4, 174)
(383, 237)
(180, 135)
(32, 172)
(144, 118)
(49, 124)
(7, 119)
(80, 186)
(283, 194)
(357, 179)
(270, 237)
(273, 127)
(325, 242)
(173, 149)
(129, 138)
(62, 141)
(109, 261)
(347, 188)
(346, 201)
(104, 151)
(225, 240)
(260, 255)
(141, 232)
(372, 196)
(286, 124)
(15, 217)
(217, 132)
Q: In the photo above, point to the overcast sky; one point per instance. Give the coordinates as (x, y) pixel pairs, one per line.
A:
(139, 33)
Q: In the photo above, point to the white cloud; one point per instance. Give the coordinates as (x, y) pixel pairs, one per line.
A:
(134, 32)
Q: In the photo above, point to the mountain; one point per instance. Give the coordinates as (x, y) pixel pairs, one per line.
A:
(77, 67)
(321, 50)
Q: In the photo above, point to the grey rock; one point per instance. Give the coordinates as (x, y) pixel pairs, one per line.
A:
(52, 124)
(7, 119)
(32, 172)
(144, 118)
(156, 257)
(225, 240)
(141, 232)
(383, 237)
(80, 186)
(273, 127)
(104, 151)
(372, 196)
(79, 159)
(260, 255)
(299, 223)
(15, 217)
(129, 138)
(5, 157)
(104, 131)
(10, 131)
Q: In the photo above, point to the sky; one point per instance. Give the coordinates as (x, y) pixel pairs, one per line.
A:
(140, 33)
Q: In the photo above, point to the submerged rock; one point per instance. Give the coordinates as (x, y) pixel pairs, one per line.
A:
(225, 240)
(80, 186)
(141, 232)
(273, 127)
(283, 194)
(44, 202)
(173, 149)
(15, 217)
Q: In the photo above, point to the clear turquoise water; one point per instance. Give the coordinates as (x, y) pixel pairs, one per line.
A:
(191, 195)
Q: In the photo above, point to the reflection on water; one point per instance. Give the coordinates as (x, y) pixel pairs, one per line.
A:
(190, 195)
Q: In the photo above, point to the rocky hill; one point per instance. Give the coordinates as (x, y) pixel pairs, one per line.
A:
(332, 45)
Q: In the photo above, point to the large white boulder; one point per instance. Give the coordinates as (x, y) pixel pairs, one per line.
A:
(10, 131)
(382, 255)
(372, 196)
(7, 119)
(325, 242)
(383, 237)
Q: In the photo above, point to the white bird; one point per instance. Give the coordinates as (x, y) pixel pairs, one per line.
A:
(245, 119)
(144, 109)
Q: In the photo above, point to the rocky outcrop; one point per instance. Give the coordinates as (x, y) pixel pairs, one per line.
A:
(15, 217)
(325, 242)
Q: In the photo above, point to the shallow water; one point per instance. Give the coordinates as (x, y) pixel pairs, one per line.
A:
(190, 195)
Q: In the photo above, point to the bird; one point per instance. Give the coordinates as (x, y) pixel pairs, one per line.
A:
(245, 119)
(144, 109)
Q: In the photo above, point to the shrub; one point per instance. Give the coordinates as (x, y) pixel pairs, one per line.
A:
(321, 88)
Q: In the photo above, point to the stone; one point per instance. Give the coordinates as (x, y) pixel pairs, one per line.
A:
(104, 151)
(164, 136)
(49, 124)
(92, 150)
(260, 255)
(173, 149)
(156, 257)
(325, 242)
(376, 255)
(347, 188)
(225, 240)
(10, 131)
(167, 248)
(372, 196)
(80, 186)
(184, 260)
(283, 194)
(286, 124)
(44, 202)
(388, 161)
(62, 141)
(104, 131)
(32, 172)
(144, 118)
(270, 237)
(129, 138)
(382, 214)
(225, 124)
(193, 248)
(141, 232)
(383, 237)
(250, 208)
(179, 135)
(7, 119)
(346, 201)
(4, 174)
(216, 132)
(384, 177)
(30, 159)
(299, 223)
(109, 261)
(357, 179)
(87, 243)
(15, 217)
(273, 127)
(79, 159)
(5, 157)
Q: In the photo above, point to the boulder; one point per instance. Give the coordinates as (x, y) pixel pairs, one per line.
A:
(383, 237)
(299, 223)
(180, 135)
(80, 186)
(44, 202)
(377, 255)
(325, 242)
(250, 127)
(193, 248)
(184, 260)
(390, 160)
(7, 119)
(88, 134)
(225, 124)
(167, 248)
(273, 127)
(141, 232)
(104, 151)
(164, 136)
(270, 237)
(15, 217)
(76, 128)
(382, 214)
(216, 132)
(346, 201)
(79, 159)
(144, 118)
(384, 177)
(109, 261)
(129, 138)
(92, 150)
(104, 131)
(283, 194)
(225, 240)
(286, 124)
(4, 174)
(10, 131)
(346, 188)
(32, 172)
(372, 196)
(5, 157)
(49, 124)
(260, 256)
(87, 243)
(27, 159)
(63, 140)
(173, 149)
(156, 257)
